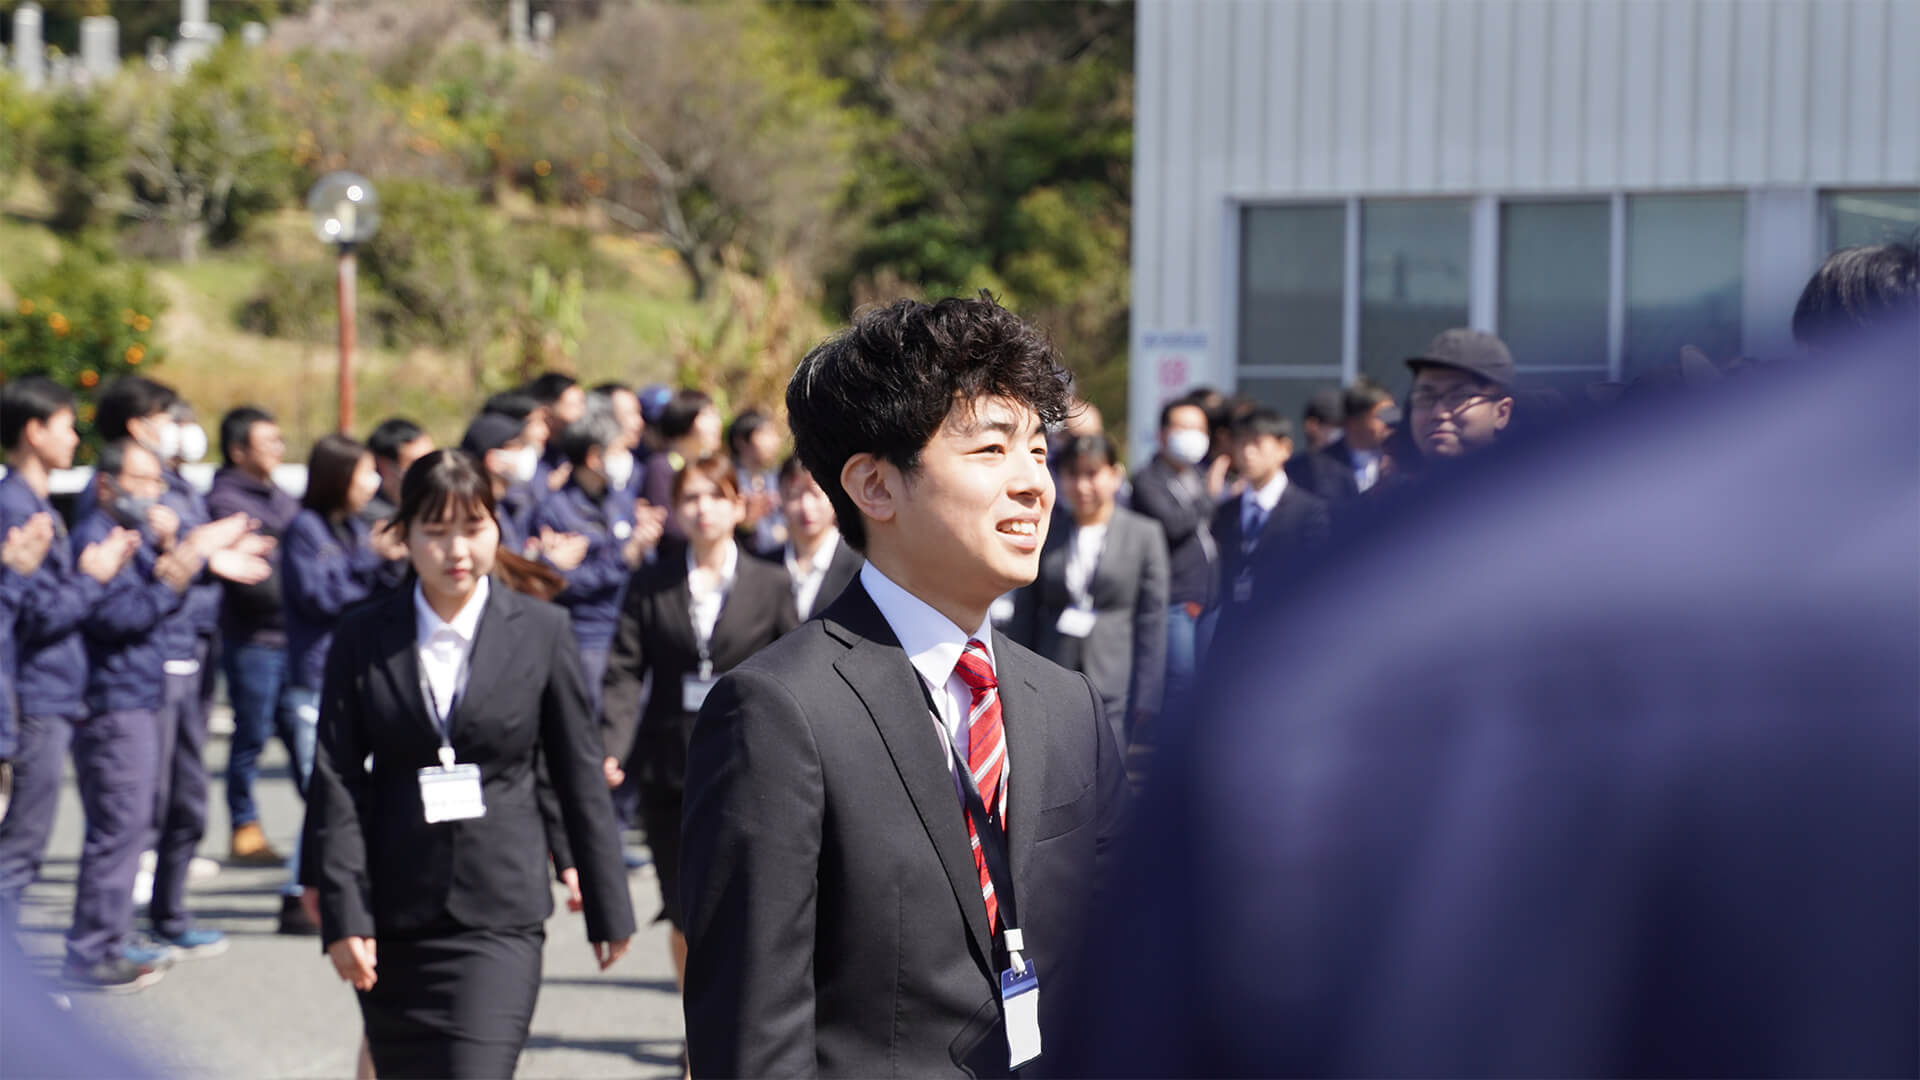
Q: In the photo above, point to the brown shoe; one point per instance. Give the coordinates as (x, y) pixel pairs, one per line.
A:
(250, 847)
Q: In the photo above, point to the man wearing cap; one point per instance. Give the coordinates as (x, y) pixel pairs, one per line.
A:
(1462, 393)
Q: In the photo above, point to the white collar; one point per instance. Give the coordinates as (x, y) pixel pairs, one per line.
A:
(727, 568)
(1267, 496)
(822, 556)
(932, 641)
(427, 622)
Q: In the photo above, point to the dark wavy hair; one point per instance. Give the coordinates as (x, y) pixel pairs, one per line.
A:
(886, 384)
(1862, 292)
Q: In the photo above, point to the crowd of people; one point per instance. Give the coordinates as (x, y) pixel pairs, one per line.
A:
(607, 607)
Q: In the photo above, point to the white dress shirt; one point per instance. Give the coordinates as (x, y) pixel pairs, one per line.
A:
(446, 648)
(1083, 559)
(808, 579)
(710, 595)
(1266, 499)
(1366, 468)
(934, 643)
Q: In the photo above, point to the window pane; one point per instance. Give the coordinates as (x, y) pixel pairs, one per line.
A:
(1553, 282)
(1572, 385)
(1871, 217)
(1291, 260)
(1413, 280)
(1286, 396)
(1684, 257)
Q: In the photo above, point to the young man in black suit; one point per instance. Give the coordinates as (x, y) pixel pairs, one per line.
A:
(1271, 515)
(840, 917)
(1349, 467)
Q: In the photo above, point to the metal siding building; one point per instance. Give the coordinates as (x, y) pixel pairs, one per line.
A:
(1321, 184)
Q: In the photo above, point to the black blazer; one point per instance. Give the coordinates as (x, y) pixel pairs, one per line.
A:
(834, 919)
(656, 635)
(1327, 473)
(382, 870)
(841, 570)
(1300, 522)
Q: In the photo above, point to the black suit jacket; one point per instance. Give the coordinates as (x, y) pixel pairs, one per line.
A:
(382, 870)
(841, 570)
(656, 635)
(1300, 522)
(834, 918)
(1327, 473)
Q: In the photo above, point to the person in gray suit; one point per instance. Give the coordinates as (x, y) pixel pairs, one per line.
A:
(857, 903)
(1100, 603)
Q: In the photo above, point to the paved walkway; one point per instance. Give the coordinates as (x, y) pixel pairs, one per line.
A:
(272, 1007)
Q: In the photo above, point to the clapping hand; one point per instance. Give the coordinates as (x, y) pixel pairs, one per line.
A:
(27, 543)
(566, 551)
(103, 558)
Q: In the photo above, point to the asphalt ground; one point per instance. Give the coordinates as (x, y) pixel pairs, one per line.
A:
(271, 1006)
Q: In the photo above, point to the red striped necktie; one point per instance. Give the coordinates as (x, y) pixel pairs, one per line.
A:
(986, 756)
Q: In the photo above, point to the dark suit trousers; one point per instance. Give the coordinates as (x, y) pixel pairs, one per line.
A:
(454, 1002)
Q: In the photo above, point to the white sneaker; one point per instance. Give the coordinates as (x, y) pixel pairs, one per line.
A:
(143, 888)
(202, 869)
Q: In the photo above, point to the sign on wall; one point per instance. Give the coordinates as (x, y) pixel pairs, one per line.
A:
(1176, 360)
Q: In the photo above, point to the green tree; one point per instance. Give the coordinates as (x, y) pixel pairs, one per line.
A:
(441, 271)
(997, 153)
(698, 124)
(201, 154)
(82, 321)
(78, 159)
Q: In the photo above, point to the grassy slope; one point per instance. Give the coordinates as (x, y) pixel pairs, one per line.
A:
(216, 365)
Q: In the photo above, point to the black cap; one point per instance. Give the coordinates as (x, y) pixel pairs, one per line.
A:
(1475, 352)
(490, 431)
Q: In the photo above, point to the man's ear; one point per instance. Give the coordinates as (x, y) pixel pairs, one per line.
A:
(1503, 413)
(872, 485)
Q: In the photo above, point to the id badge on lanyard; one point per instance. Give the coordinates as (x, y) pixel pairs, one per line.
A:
(449, 791)
(1020, 981)
(695, 688)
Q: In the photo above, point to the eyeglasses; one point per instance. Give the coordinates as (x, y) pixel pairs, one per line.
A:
(1452, 402)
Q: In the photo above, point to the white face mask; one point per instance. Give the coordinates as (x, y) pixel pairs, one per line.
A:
(1188, 445)
(193, 442)
(618, 468)
(166, 439)
(526, 462)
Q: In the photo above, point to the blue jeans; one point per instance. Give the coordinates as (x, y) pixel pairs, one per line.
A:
(256, 675)
(304, 706)
(1183, 660)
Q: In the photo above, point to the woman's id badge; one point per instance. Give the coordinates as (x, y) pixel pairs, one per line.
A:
(1075, 622)
(1020, 1004)
(451, 793)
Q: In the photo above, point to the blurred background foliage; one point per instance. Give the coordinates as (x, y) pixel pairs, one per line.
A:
(679, 192)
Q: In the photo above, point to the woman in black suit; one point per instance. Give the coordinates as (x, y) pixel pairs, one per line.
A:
(438, 705)
(688, 617)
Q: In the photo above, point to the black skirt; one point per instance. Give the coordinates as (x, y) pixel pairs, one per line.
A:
(453, 1003)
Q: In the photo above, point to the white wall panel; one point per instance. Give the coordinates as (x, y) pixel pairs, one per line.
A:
(1527, 140)
(1713, 105)
(1495, 76)
(1606, 73)
(1421, 95)
(1251, 76)
(1902, 130)
(1640, 112)
(1317, 105)
(1674, 112)
(1791, 88)
(1386, 131)
(1869, 44)
(1567, 25)
(1282, 146)
(1353, 26)
(1460, 117)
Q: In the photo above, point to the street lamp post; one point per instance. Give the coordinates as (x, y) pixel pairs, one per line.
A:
(346, 212)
